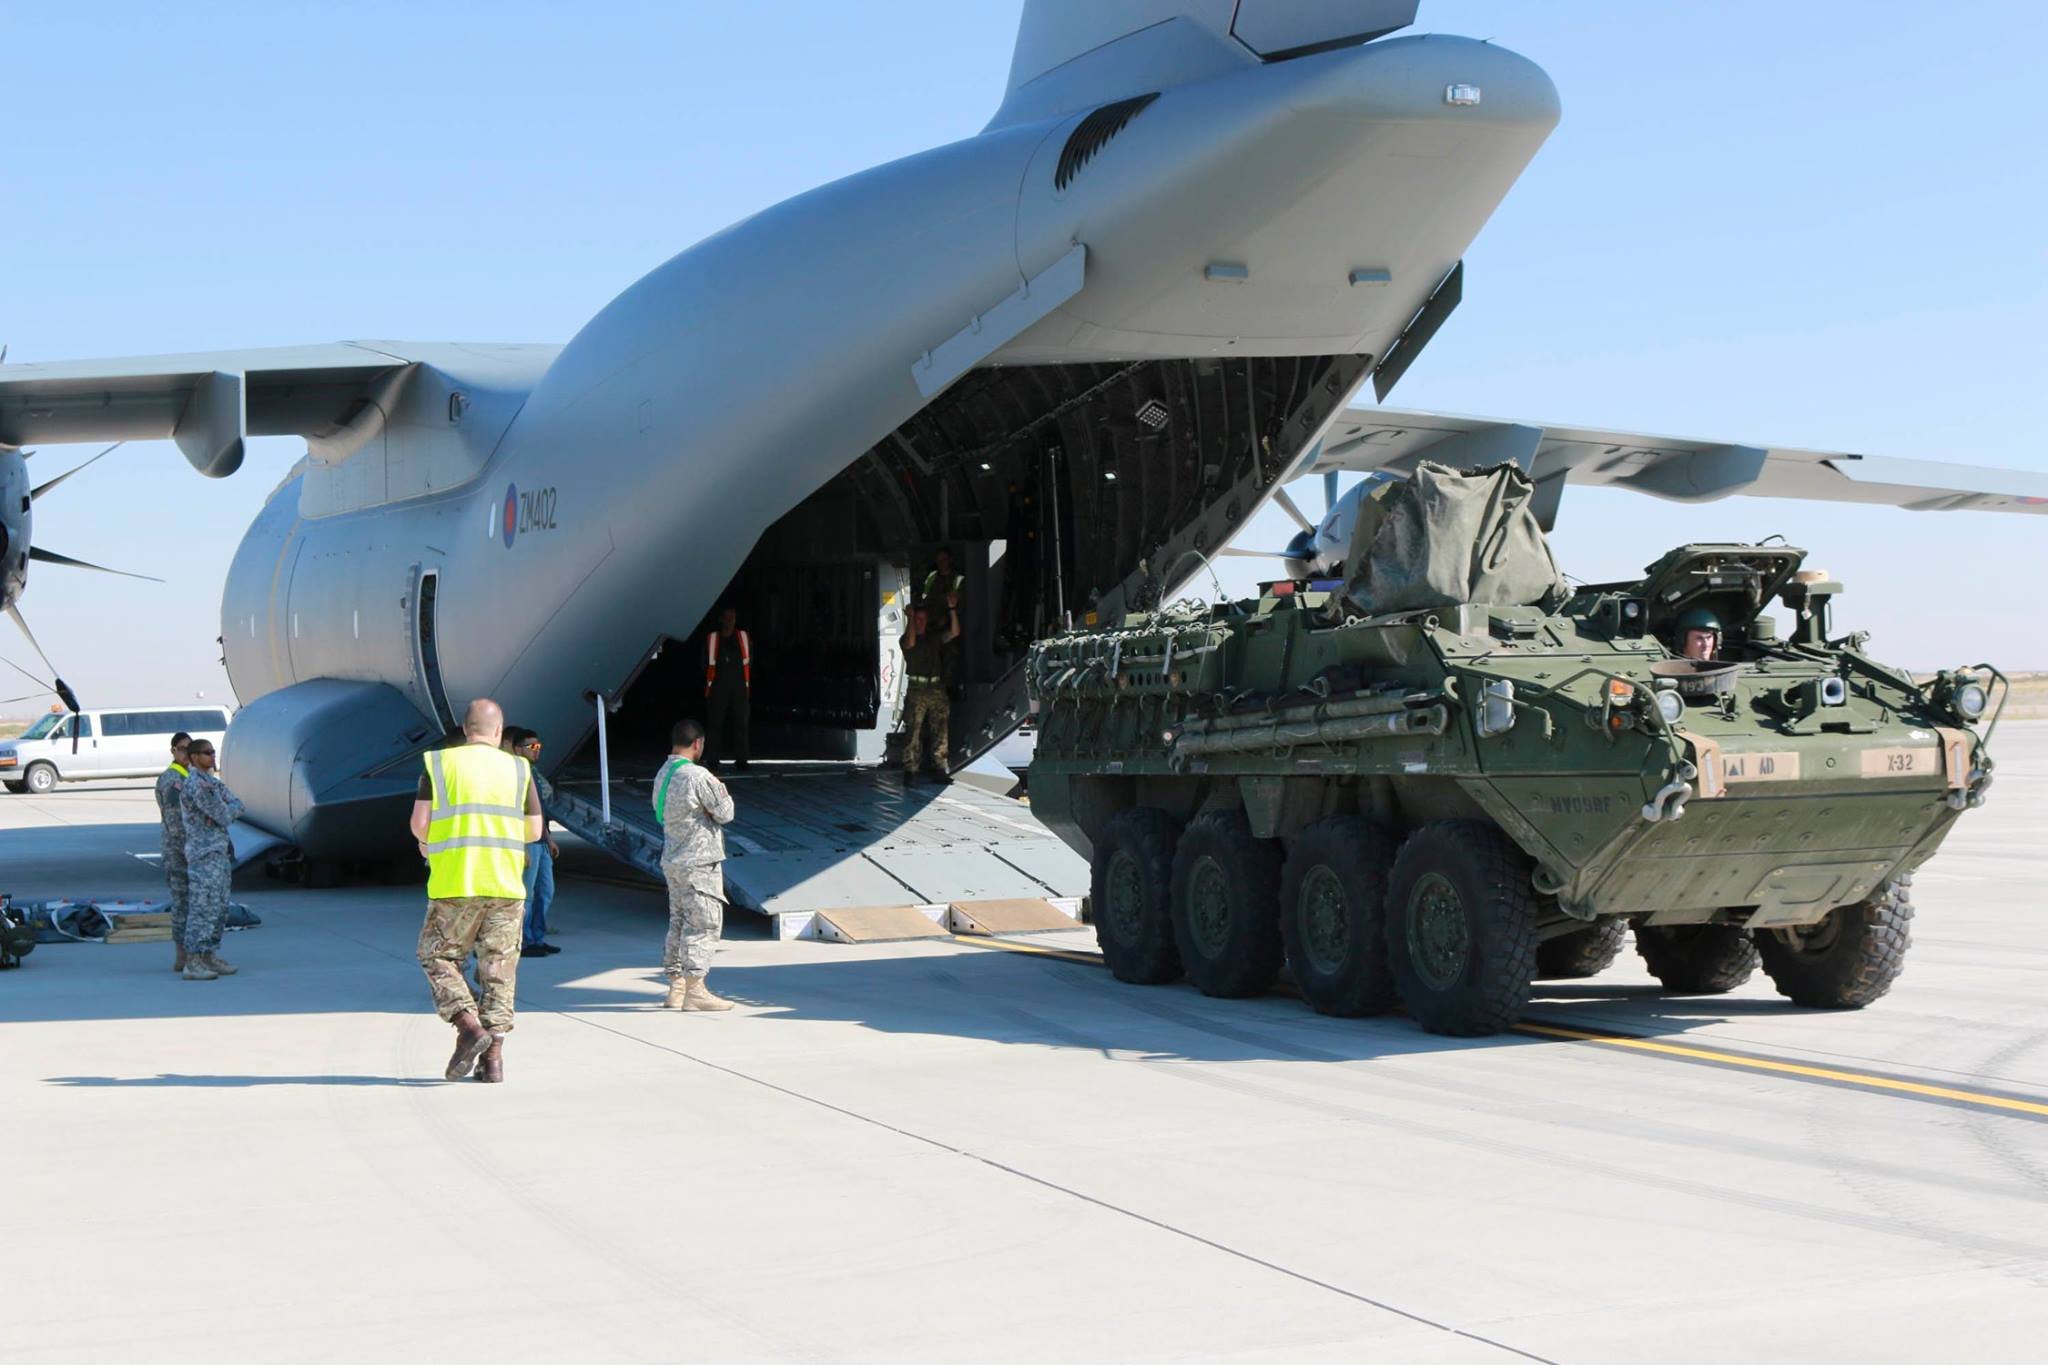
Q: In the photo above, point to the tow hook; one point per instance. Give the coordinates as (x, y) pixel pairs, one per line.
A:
(1970, 797)
(1669, 802)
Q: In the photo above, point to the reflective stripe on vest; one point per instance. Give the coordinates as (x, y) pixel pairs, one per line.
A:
(476, 826)
(746, 661)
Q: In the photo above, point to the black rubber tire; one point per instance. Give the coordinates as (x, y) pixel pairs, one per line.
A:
(1344, 973)
(40, 778)
(1697, 959)
(1235, 950)
(1138, 947)
(1482, 986)
(1864, 952)
(1581, 953)
(16, 787)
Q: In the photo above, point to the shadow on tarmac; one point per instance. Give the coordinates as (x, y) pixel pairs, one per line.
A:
(233, 1082)
(351, 951)
(1030, 1001)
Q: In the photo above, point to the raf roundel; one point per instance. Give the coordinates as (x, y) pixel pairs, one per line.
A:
(511, 516)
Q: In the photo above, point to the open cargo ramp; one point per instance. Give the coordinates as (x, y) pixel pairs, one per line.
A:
(812, 837)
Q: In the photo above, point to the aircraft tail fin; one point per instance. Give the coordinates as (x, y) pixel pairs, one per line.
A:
(1075, 54)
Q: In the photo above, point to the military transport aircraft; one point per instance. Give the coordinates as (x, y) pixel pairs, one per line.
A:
(1080, 348)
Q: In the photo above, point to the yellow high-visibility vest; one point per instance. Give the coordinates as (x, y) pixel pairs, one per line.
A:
(476, 827)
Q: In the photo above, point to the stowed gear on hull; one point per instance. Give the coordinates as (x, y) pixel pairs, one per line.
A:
(1545, 769)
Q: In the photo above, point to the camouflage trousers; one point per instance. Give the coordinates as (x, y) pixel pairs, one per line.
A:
(175, 877)
(696, 917)
(206, 902)
(928, 713)
(457, 926)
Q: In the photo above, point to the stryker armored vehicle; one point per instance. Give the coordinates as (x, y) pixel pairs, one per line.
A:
(1452, 775)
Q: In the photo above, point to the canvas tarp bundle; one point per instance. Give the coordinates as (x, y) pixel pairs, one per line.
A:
(1446, 537)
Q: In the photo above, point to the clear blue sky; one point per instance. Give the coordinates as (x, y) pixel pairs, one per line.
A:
(1818, 224)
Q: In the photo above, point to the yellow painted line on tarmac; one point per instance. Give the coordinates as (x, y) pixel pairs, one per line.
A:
(1867, 1080)
(1864, 1080)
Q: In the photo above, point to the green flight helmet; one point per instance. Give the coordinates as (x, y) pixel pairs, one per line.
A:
(1699, 618)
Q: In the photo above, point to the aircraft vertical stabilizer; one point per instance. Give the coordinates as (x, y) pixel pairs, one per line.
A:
(1073, 54)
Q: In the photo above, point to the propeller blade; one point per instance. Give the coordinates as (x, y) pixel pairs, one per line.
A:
(1329, 490)
(42, 556)
(1287, 506)
(57, 685)
(1233, 552)
(43, 488)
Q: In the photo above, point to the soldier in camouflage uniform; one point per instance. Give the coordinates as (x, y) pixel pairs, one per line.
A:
(172, 842)
(928, 712)
(693, 807)
(206, 808)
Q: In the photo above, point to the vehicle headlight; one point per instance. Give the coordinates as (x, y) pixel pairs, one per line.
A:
(1671, 706)
(1970, 700)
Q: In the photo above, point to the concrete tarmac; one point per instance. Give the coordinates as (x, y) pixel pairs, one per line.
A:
(954, 1152)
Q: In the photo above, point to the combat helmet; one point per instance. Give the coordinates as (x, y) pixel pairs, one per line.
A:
(1699, 618)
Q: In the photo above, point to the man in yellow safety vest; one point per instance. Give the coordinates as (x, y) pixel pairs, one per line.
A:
(474, 815)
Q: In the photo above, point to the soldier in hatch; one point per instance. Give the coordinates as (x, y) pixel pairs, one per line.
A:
(169, 783)
(1699, 635)
(206, 808)
(694, 807)
(927, 712)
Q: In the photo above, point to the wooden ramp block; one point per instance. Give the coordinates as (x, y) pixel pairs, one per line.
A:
(151, 934)
(876, 924)
(1027, 916)
(155, 919)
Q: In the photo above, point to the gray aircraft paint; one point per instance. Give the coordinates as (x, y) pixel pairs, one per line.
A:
(789, 343)
(571, 508)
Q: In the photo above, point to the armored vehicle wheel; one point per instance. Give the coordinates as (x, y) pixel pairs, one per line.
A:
(1581, 953)
(1697, 959)
(1461, 928)
(1332, 891)
(1847, 960)
(1130, 886)
(1226, 910)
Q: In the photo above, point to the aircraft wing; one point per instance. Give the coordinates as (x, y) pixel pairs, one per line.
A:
(205, 401)
(1678, 468)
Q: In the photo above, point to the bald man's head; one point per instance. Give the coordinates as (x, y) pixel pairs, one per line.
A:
(483, 722)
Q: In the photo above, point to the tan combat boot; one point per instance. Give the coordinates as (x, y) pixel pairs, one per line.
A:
(196, 968)
(678, 991)
(471, 1038)
(179, 965)
(220, 965)
(699, 997)
(491, 1066)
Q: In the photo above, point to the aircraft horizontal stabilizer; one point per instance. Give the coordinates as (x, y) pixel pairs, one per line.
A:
(1678, 468)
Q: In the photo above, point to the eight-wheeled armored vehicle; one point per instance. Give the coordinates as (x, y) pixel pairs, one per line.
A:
(1453, 775)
